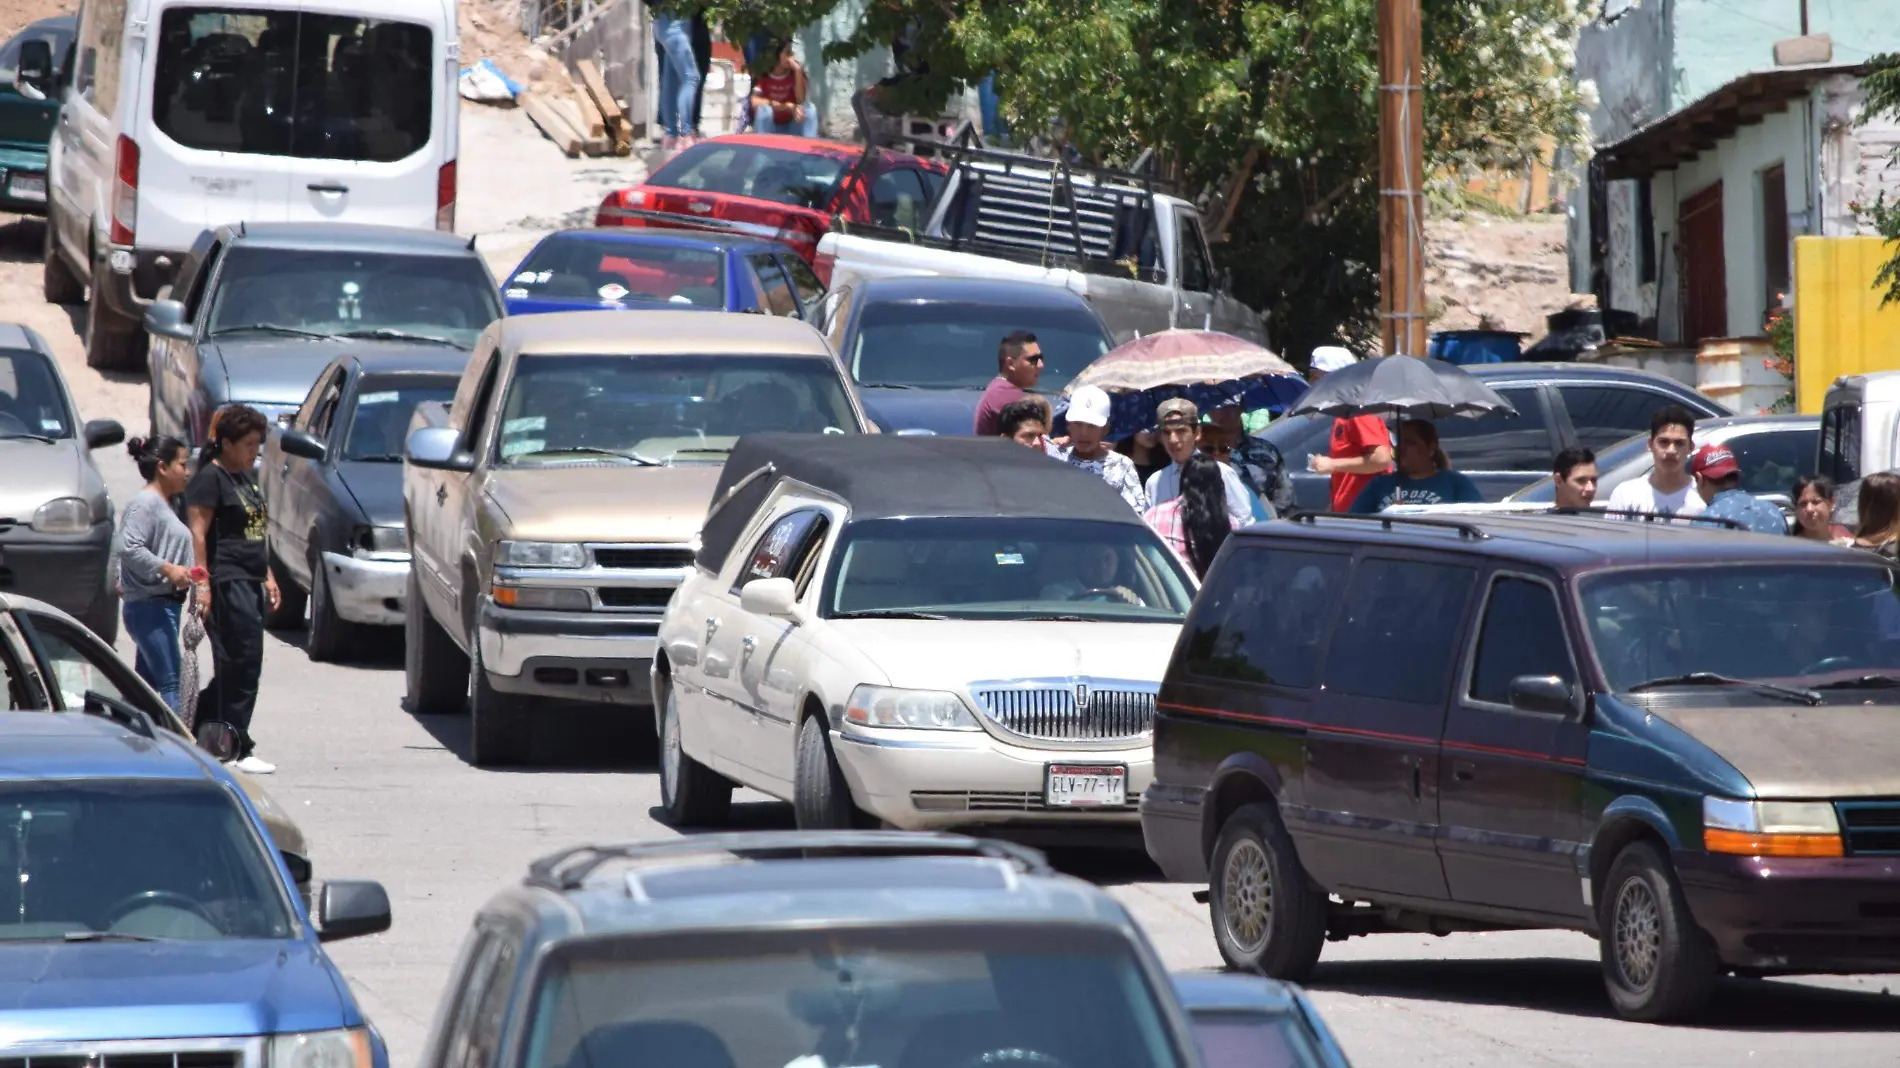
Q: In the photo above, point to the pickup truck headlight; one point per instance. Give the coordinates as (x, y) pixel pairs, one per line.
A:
(1770, 828)
(379, 541)
(345, 1048)
(64, 515)
(540, 554)
(885, 706)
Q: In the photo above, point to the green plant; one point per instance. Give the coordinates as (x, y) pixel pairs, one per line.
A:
(1780, 331)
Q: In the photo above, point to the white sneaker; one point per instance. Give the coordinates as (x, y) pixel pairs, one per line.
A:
(251, 765)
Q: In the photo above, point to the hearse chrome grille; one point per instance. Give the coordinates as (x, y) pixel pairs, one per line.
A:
(1070, 710)
(1869, 828)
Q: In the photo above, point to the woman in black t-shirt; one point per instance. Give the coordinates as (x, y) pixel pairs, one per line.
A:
(224, 506)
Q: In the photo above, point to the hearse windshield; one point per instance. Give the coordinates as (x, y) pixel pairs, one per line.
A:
(1825, 624)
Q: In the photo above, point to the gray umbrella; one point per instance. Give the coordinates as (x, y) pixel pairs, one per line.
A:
(1404, 386)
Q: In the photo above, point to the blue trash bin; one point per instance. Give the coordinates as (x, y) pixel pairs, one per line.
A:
(1465, 347)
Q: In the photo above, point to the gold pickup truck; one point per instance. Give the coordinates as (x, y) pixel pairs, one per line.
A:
(555, 504)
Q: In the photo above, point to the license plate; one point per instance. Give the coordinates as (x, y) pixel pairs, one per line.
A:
(1085, 785)
(27, 187)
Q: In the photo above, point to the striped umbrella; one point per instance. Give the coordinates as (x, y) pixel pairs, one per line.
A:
(1179, 358)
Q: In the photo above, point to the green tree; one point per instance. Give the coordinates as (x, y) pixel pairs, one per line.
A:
(1882, 86)
(1267, 105)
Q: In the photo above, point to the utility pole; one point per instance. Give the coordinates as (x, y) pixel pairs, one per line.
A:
(1804, 18)
(1401, 178)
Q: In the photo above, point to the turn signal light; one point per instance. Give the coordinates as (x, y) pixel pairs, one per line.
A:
(1747, 844)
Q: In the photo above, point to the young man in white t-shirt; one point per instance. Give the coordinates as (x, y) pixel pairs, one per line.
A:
(1668, 490)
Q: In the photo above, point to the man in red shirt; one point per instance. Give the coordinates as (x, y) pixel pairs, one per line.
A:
(1018, 368)
(1361, 445)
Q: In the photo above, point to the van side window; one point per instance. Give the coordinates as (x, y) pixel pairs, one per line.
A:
(1523, 635)
(1262, 617)
(1840, 444)
(1400, 632)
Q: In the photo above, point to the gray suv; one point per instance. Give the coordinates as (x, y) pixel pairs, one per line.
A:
(807, 949)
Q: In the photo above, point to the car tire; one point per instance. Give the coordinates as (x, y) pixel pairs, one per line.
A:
(1657, 964)
(290, 597)
(330, 637)
(692, 794)
(112, 343)
(821, 799)
(57, 281)
(1268, 915)
(435, 672)
(501, 727)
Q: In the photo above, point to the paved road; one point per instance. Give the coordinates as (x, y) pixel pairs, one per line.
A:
(386, 795)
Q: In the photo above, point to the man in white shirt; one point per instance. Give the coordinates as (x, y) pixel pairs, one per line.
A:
(1180, 435)
(1088, 449)
(1668, 490)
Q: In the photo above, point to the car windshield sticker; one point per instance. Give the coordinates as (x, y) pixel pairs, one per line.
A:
(523, 445)
(1006, 559)
(526, 277)
(348, 306)
(612, 291)
(51, 426)
(384, 397)
(524, 424)
(515, 292)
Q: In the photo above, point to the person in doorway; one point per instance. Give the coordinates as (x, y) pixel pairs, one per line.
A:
(225, 509)
(1669, 488)
(1424, 475)
(1180, 426)
(155, 555)
(1574, 474)
(1813, 497)
(1360, 447)
(1195, 524)
(1088, 448)
(1025, 422)
(779, 100)
(1018, 369)
(679, 79)
(1718, 480)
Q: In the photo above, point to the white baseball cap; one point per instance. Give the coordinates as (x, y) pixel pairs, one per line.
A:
(1329, 358)
(1089, 405)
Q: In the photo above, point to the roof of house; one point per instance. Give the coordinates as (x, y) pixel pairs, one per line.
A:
(1698, 126)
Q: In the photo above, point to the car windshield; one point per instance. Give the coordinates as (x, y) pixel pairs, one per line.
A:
(1748, 621)
(1007, 568)
(31, 402)
(664, 409)
(826, 997)
(944, 345)
(745, 169)
(383, 409)
(296, 292)
(594, 270)
(133, 859)
(1253, 1039)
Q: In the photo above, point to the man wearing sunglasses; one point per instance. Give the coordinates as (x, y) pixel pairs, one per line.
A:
(1018, 367)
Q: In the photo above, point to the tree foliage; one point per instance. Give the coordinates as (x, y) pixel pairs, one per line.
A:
(1273, 99)
(1882, 86)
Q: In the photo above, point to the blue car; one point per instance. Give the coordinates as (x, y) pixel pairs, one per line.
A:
(617, 269)
(144, 913)
(1244, 1021)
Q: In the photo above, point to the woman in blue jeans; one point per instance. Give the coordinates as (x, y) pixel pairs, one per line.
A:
(155, 561)
(679, 78)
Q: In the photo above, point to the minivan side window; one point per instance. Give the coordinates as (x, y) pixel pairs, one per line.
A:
(1262, 617)
(285, 83)
(1523, 634)
(1400, 631)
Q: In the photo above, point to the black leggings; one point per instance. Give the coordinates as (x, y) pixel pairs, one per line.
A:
(236, 630)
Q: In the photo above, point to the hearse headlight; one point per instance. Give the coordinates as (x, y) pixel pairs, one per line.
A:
(886, 706)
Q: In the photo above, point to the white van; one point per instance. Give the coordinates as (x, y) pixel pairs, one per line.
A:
(177, 116)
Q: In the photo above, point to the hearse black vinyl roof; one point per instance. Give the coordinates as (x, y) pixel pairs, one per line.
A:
(887, 476)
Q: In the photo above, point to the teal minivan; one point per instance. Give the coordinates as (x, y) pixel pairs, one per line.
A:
(29, 107)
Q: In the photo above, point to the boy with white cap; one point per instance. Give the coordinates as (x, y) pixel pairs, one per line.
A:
(1088, 449)
(1360, 447)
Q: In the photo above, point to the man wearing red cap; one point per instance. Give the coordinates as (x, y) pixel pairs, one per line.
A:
(1718, 481)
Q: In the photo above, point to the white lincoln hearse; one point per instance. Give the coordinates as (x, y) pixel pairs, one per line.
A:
(919, 631)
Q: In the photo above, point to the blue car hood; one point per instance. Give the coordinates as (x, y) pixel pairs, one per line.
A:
(941, 411)
(102, 991)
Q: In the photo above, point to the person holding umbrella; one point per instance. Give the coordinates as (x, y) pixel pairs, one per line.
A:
(1360, 447)
(1424, 475)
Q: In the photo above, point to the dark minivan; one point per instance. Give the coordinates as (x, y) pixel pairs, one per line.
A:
(1678, 738)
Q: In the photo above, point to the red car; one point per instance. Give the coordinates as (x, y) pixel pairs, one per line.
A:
(778, 187)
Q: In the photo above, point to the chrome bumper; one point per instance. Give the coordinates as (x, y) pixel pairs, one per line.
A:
(369, 592)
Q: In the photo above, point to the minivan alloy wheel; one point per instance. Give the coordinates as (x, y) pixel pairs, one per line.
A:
(1247, 885)
(1638, 933)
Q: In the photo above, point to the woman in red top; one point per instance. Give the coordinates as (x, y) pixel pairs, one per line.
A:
(778, 100)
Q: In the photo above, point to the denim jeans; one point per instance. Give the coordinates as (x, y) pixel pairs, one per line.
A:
(679, 73)
(153, 625)
(763, 122)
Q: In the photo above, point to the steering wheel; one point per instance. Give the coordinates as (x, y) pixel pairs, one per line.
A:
(1110, 595)
(1014, 1057)
(144, 898)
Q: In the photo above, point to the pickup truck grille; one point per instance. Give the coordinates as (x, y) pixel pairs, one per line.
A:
(634, 597)
(1070, 710)
(656, 558)
(135, 1054)
(1869, 828)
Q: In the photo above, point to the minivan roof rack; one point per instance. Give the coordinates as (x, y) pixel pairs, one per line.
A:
(569, 869)
(1652, 517)
(1465, 530)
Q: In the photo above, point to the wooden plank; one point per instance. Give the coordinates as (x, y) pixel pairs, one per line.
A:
(571, 111)
(550, 122)
(596, 88)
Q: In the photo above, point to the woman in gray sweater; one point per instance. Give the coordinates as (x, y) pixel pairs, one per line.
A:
(155, 561)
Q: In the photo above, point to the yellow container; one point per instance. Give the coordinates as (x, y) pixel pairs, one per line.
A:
(1840, 326)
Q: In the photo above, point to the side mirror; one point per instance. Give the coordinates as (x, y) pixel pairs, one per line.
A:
(349, 909)
(102, 432)
(770, 597)
(302, 443)
(166, 318)
(434, 448)
(34, 76)
(1546, 694)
